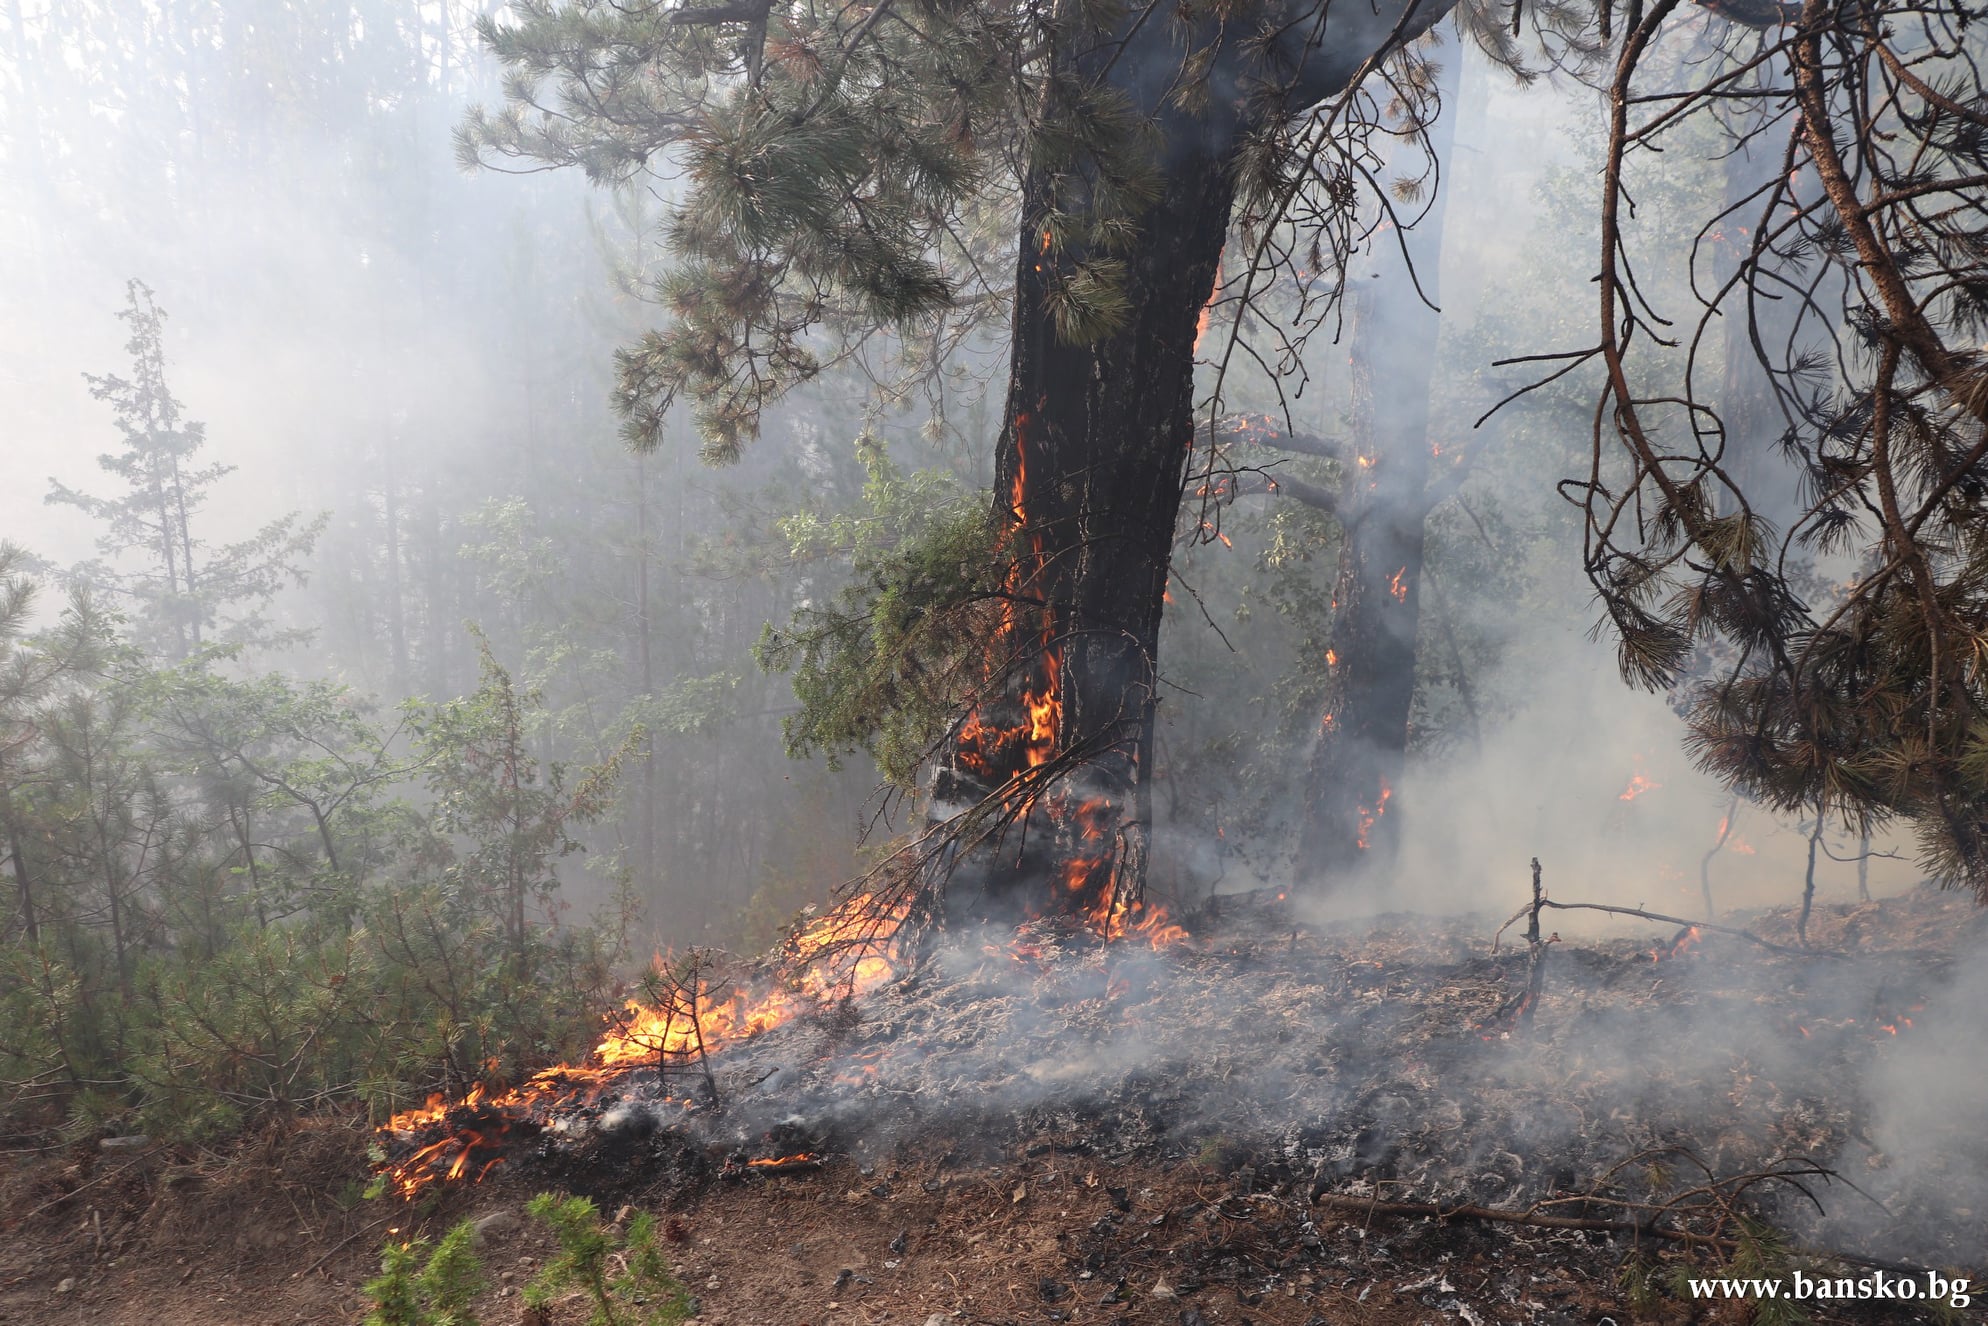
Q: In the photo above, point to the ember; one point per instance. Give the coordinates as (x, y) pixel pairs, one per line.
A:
(798, 1163)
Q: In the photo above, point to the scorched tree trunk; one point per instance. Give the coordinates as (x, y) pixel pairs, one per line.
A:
(1089, 471)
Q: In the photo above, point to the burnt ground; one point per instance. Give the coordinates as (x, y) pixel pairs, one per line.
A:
(1182, 1139)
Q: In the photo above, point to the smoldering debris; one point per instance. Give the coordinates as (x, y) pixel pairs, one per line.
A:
(1837, 1095)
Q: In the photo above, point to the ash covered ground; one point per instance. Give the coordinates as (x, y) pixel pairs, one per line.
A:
(1379, 1062)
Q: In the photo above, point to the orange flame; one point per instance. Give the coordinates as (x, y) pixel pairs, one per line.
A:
(1638, 785)
(1368, 818)
(1114, 918)
(1207, 307)
(1683, 944)
(986, 745)
(841, 953)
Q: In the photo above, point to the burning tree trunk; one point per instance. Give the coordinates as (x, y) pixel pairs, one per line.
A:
(1383, 505)
(1092, 457)
(1090, 464)
(830, 156)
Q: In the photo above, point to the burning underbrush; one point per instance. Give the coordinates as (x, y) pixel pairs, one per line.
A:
(1678, 1087)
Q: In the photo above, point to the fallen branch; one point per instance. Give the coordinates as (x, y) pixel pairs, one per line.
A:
(1641, 914)
(343, 1244)
(83, 1187)
(1530, 1216)
(1535, 1218)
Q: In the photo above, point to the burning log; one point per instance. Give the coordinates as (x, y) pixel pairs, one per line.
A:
(803, 1162)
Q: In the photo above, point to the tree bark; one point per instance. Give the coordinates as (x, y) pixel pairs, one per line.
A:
(1092, 456)
(1350, 818)
(17, 858)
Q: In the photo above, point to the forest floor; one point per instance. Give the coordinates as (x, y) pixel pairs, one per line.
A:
(1033, 1224)
(251, 1237)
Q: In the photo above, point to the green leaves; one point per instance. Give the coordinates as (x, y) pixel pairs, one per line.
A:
(884, 667)
(225, 905)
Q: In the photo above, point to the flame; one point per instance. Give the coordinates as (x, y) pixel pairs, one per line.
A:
(1331, 661)
(1207, 307)
(844, 953)
(986, 745)
(840, 954)
(1397, 585)
(1368, 818)
(1683, 944)
(449, 1157)
(1114, 918)
(1638, 785)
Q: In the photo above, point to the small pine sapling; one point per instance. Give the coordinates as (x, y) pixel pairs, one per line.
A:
(643, 1293)
(439, 1293)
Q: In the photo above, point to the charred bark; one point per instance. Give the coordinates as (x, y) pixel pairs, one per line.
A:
(1089, 473)
(1383, 506)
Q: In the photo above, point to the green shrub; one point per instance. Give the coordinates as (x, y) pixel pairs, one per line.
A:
(643, 1294)
(437, 1294)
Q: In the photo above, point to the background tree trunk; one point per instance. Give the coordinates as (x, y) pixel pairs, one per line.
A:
(1383, 507)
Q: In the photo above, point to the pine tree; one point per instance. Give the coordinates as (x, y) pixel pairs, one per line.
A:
(184, 592)
(845, 171)
(1822, 611)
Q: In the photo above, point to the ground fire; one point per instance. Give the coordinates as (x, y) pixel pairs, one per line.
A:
(696, 1016)
(1406, 1064)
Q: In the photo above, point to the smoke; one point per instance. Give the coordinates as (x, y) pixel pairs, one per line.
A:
(1925, 1155)
(353, 318)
